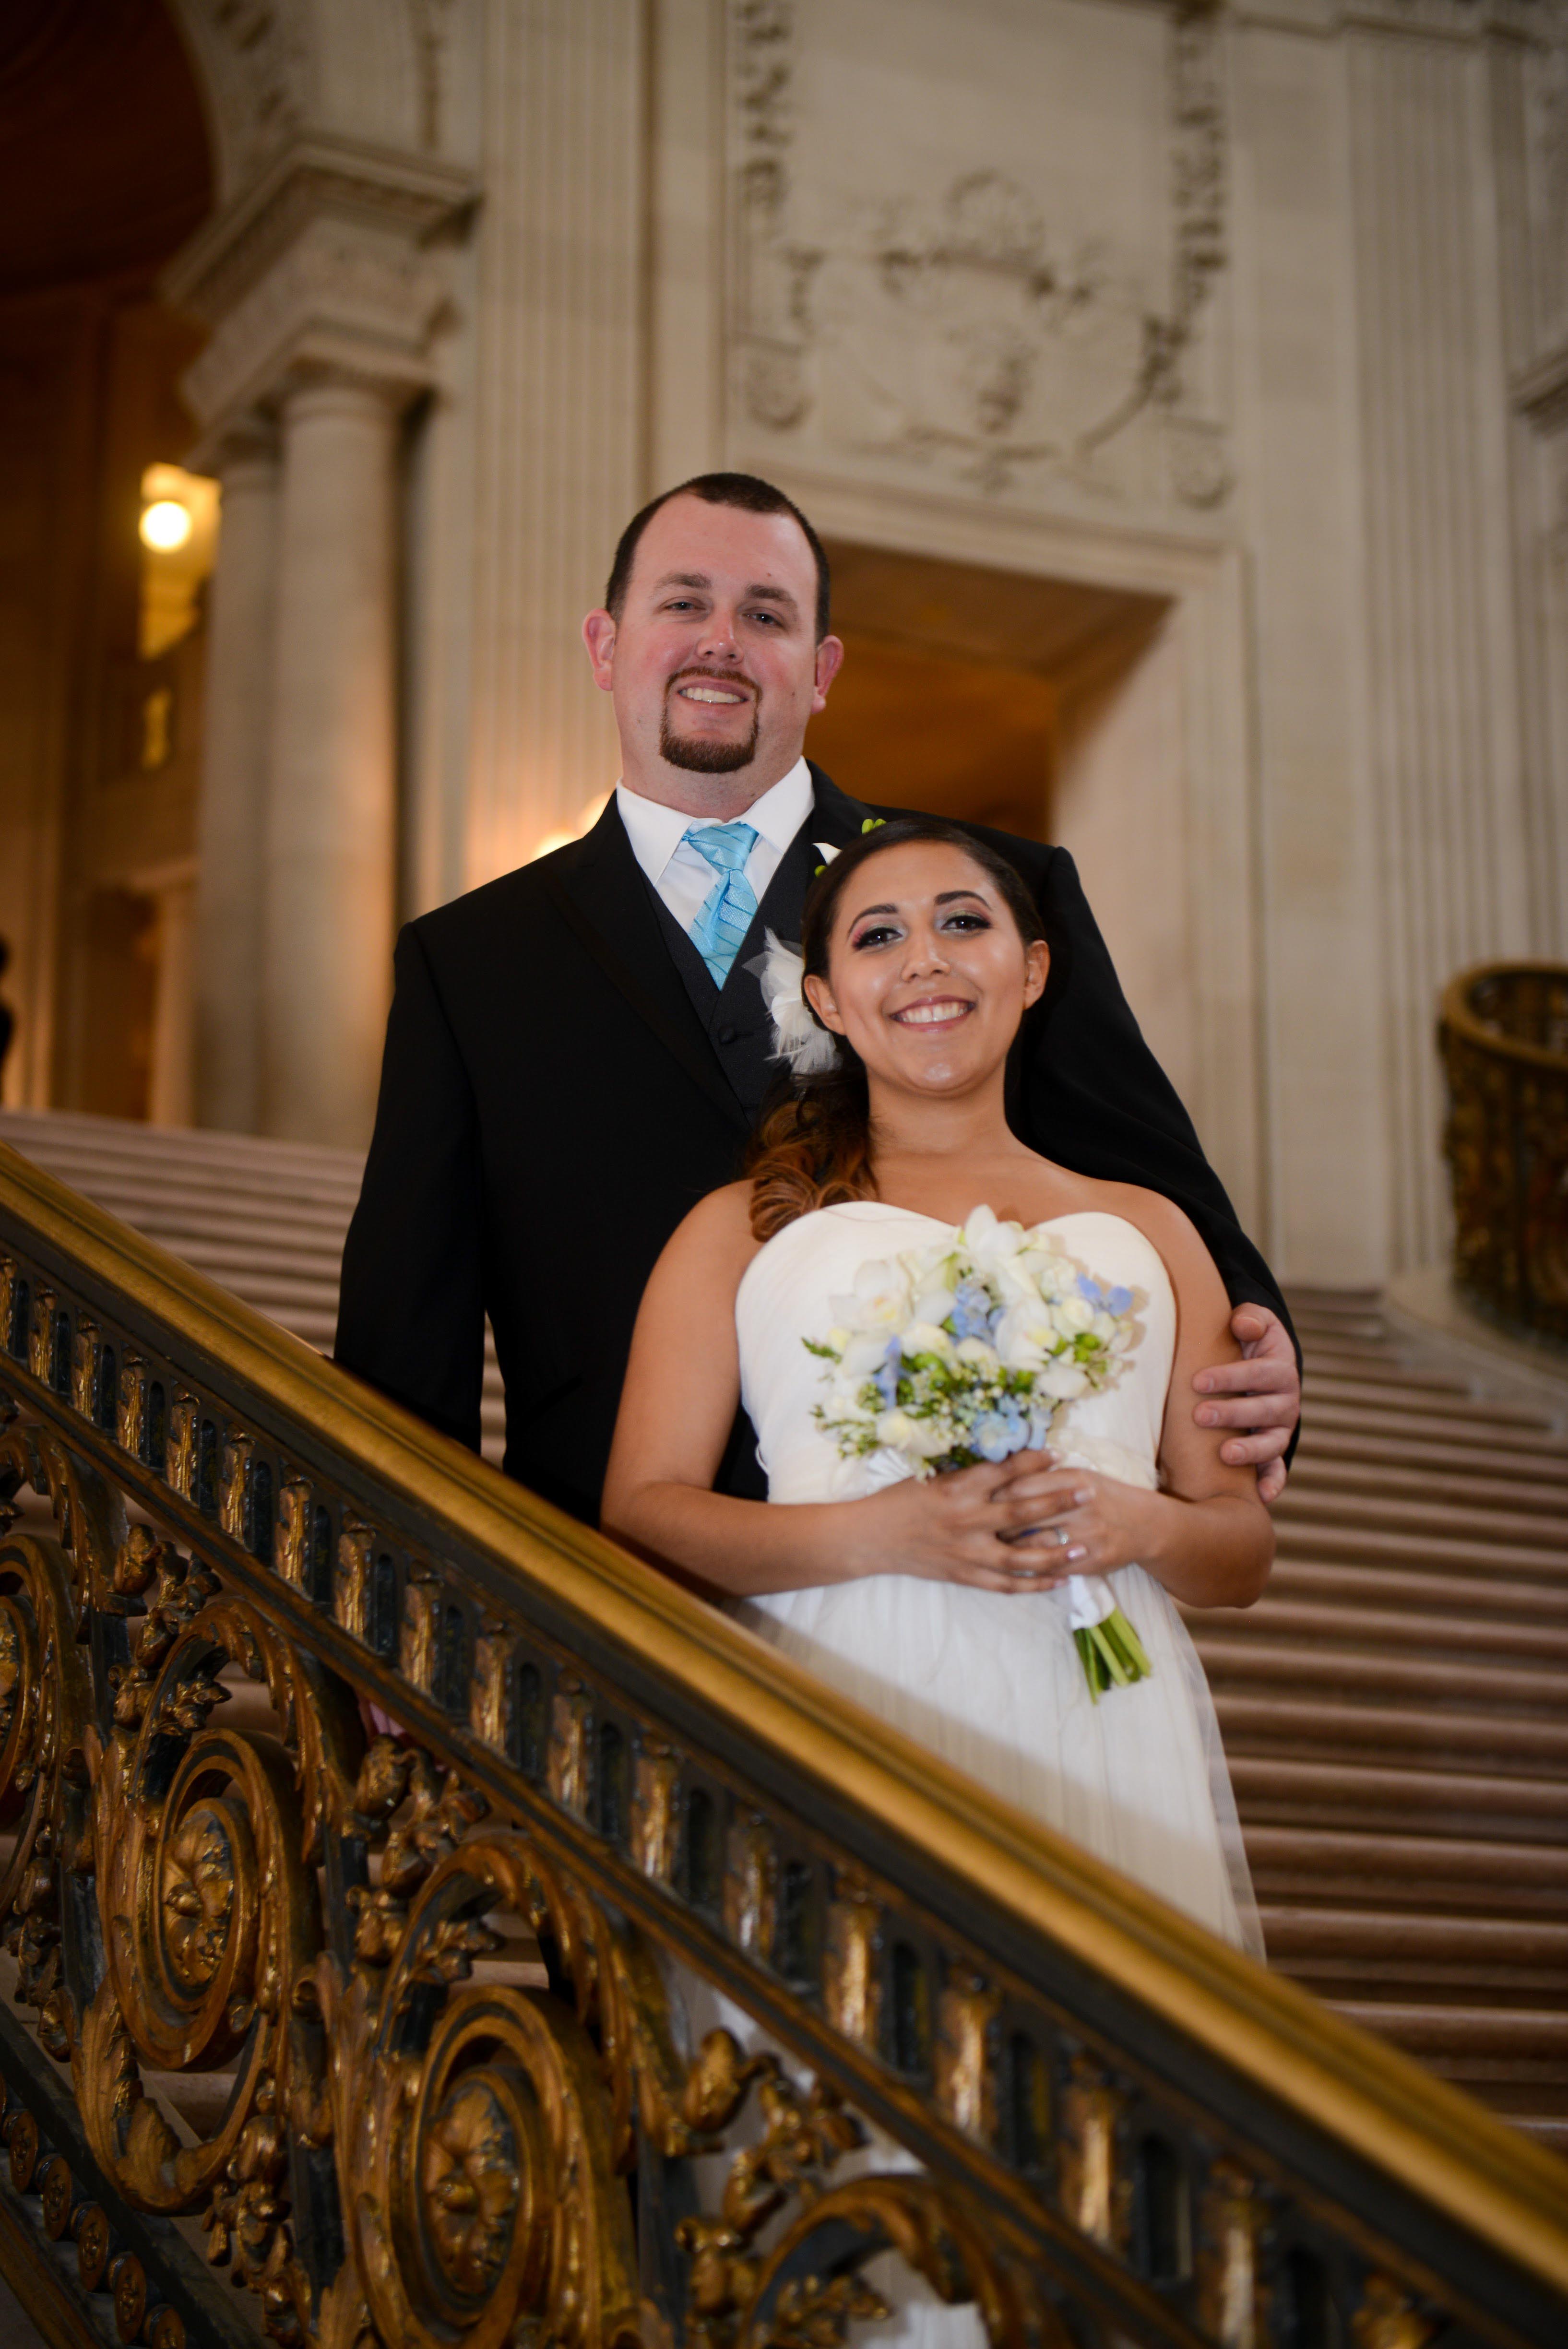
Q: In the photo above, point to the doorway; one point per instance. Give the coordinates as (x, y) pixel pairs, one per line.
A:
(1047, 707)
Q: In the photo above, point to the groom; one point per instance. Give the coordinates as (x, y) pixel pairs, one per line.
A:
(577, 1052)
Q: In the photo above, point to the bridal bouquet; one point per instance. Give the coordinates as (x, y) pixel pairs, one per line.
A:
(970, 1350)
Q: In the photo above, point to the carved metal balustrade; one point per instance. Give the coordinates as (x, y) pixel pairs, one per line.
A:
(1504, 1040)
(381, 2027)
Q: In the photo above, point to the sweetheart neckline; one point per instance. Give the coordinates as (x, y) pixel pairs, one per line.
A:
(885, 1207)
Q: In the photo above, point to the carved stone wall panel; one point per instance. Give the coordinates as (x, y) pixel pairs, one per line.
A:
(991, 266)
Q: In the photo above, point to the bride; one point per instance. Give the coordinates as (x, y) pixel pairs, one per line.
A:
(946, 1604)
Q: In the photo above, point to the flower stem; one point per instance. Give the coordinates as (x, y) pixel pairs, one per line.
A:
(1112, 1654)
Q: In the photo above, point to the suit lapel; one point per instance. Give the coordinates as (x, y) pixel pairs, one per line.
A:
(603, 898)
(836, 818)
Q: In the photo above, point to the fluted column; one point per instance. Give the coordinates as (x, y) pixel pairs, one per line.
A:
(328, 854)
(559, 406)
(1442, 640)
(228, 920)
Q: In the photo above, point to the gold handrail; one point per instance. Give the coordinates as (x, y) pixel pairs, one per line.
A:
(1506, 1140)
(1460, 1013)
(1277, 2051)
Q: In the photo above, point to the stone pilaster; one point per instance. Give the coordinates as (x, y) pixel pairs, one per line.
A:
(559, 406)
(234, 756)
(1439, 591)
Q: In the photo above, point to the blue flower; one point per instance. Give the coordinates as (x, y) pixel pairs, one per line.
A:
(971, 1315)
(994, 1438)
(886, 1380)
(1108, 1301)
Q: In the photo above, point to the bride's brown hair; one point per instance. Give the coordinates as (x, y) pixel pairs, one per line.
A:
(813, 1147)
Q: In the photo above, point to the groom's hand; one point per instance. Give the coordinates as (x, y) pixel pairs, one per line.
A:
(1261, 1393)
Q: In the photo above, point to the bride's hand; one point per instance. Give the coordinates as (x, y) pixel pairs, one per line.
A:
(1088, 1523)
(980, 1525)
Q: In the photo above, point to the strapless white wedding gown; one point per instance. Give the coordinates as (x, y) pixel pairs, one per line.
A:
(993, 1682)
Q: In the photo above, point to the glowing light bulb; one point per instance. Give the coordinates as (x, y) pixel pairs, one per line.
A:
(165, 526)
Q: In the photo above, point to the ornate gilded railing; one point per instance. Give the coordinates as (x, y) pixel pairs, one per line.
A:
(380, 2027)
(1504, 1040)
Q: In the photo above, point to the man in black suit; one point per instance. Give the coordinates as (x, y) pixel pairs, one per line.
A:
(577, 1052)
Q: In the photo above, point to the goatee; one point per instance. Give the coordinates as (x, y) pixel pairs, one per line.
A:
(706, 758)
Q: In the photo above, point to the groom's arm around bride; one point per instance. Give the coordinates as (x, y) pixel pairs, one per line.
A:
(577, 1052)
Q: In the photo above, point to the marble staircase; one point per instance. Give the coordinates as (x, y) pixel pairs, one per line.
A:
(1395, 1710)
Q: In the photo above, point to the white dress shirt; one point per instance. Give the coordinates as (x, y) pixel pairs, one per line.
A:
(683, 877)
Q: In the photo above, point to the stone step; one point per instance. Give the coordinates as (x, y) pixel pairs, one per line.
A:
(1496, 1742)
(1304, 1503)
(1480, 1560)
(1314, 1472)
(1306, 1791)
(1387, 1678)
(1424, 1435)
(1385, 1398)
(1391, 1632)
(1331, 1436)
(1339, 1582)
(1491, 1947)
(1470, 2035)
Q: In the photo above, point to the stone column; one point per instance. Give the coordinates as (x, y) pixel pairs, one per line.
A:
(328, 854)
(228, 942)
(170, 1093)
(325, 290)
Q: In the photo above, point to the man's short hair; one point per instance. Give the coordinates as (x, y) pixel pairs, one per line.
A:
(743, 489)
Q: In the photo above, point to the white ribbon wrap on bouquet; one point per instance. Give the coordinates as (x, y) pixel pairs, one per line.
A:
(1089, 1596)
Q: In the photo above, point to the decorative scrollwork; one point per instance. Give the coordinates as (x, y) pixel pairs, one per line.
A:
(426, 1973)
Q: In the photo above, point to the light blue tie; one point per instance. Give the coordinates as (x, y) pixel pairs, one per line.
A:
(731, 905)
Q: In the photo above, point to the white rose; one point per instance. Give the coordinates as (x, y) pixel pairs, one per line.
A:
(1071, 1315)
(976, 1351)
(1061, 1379)
(896, 1429)
(926, 1338)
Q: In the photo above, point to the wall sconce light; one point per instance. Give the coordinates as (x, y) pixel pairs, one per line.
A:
(165, 526)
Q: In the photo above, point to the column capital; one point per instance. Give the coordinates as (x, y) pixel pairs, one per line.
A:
(326, 267)
(240, 445)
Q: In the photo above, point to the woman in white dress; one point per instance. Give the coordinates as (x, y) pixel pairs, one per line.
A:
(942, 1603)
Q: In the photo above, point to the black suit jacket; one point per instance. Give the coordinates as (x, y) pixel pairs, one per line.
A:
(563, 1082)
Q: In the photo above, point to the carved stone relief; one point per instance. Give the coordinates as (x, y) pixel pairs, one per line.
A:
(963, 328)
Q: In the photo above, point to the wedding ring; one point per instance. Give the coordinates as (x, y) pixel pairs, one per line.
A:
(1061, 1536)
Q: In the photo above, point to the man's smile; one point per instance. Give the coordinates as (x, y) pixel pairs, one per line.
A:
(712, 694)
